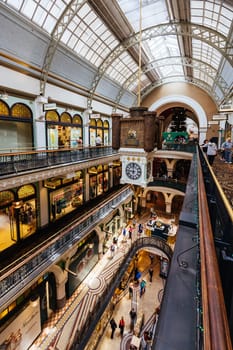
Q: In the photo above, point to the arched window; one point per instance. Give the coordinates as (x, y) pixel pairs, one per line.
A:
(65, 118)
(16, 127)
(52, 116)
(76, 131)
(92, 131)
(106, 133)
(4, 109)
(20, 110)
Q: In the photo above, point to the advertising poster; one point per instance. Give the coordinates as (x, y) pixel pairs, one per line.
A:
(24, 329)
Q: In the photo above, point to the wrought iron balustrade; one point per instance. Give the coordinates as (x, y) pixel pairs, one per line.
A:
(31, 265)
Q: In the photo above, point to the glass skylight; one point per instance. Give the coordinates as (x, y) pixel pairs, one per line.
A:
(44, 13)
(213, 14)
(153, 12)
(87, 35)
(122, 67)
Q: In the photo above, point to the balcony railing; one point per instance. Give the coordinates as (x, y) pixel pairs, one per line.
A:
(26, 268)
(88, 325)
(16, 162)
(175, 184)
(216, 334)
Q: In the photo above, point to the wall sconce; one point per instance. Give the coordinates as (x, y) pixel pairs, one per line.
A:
(17, 205)
(4, 95)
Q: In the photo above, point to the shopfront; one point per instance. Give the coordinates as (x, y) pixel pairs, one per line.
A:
(65, 194)
(98, 127)
(112, 230)
(18, 215)
(117, 170)
(63, 131)
(16, 127)
(82, 262)
(98, 180)
(27, 314)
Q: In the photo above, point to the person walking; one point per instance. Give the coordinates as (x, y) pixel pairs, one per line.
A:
(122, 326)
(130, 291)
(124, 232)
(113, 327)
(145, 340)
(142, 287)
(151, 271)
(211, 151)
(204, 146)
(130, 230)
(140, 229)
(98, 140)
(227, 147)
(133, 318)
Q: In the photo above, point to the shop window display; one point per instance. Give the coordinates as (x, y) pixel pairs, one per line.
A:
(66, 199)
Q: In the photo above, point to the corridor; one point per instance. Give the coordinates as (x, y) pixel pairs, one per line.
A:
(63, 324)
(145, 307)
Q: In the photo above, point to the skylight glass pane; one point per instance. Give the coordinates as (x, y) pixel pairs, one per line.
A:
(28, 8)
(144, 82)
(90, 32)
(214, 14)
(171, 70)
(49, 23)
(153, 12)
(206, 53)
(122, 68)
(16, 4)
(44, 13)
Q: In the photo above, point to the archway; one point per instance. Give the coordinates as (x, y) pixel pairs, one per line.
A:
(195, 106)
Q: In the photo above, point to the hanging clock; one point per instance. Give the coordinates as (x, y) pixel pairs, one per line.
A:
(133, 171)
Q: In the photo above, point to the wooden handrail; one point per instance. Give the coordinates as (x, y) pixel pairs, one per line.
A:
(216, 328)
(9, 152)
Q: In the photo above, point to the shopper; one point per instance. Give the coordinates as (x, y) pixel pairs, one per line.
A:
(142, 287)
(130, 232)
(98, 140)
(113, 327)
(130, 292)
(140, 229)
(211, 151)
(122, 326)
(205, 146)
(145, 341)
(112, 250)
(133, 318)
(227, 147)
(151, 271)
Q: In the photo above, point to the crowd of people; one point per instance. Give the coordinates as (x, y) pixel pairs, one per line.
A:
(210, 148)
(137, 285)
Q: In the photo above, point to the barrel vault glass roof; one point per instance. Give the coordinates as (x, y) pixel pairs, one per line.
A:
(181, 40)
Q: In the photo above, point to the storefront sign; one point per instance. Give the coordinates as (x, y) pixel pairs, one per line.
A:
(24, 329)
(49, 106)
(95, 116)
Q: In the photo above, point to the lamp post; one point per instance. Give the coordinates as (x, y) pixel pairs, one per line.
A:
(17, 206)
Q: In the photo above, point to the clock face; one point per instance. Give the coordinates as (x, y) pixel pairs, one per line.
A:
(133, 170)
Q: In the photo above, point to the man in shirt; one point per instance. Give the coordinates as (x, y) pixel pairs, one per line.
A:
(227, 147)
